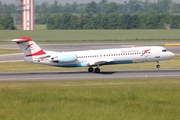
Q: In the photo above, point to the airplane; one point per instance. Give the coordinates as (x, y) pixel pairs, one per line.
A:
(91, 58)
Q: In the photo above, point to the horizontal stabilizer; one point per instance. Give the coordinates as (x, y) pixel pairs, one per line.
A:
(22, 39)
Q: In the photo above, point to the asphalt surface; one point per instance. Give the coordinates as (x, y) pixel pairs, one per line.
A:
(33, 76)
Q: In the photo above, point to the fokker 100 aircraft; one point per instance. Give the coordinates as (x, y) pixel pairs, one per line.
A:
(33, 53)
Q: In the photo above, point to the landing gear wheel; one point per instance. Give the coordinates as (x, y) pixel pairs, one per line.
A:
(97, 70)
(90, 69)
(158, 66)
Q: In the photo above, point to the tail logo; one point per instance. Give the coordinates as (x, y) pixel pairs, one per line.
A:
(28, 46)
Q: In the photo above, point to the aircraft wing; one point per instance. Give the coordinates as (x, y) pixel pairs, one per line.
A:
(99, 62)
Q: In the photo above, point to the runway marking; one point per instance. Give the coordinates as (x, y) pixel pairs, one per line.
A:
(173, 44)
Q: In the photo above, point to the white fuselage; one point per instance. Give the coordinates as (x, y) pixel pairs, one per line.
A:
(106, 56)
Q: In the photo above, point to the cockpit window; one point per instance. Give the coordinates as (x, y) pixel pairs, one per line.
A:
(164, 50)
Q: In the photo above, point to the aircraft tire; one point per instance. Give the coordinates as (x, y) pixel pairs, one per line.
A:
(158, 66)
(97, 70)
(90, 69)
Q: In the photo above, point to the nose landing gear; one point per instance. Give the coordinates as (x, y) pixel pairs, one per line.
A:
(158, 66)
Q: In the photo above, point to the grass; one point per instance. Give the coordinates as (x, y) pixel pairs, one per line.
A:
(40, 27)
(37, 27)
(79, 36)
(137, 99)
(28, 67)
(9, 51)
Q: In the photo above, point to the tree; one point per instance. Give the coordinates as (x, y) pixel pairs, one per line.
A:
(133, 6)
(101, 21)
(43, 8)
(89, 22)
(1, 7)
(174, 8)
(175, 22)
(164, 5)
(122, 9)
(63, 21)
(54, 8)
(112, 7)
(145, 5)
(135, 22)
(75, 7)
(153, 8)
(102, 6)
(42, 18)
(113, 21)
(6, 23)
(91, 8)
(125, 21)
(153, 21)
(67, 8)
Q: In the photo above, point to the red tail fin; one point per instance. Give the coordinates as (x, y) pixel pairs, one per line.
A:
(29, 47)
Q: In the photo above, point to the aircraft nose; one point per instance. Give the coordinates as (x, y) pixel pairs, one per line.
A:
(170, 55)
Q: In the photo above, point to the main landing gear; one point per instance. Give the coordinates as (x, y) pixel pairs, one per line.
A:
(97, 70)
(158, 66)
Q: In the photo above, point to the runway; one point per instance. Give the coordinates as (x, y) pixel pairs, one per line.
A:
(34, 76)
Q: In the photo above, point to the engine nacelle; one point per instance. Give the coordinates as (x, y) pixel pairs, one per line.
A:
(67, 58)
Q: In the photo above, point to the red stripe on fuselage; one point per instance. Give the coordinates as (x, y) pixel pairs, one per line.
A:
(41, 52)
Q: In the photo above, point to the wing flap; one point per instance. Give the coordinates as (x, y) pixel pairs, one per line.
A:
(98, 62)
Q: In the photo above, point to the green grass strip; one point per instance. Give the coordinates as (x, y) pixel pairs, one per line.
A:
(133, 99)
(87, 36)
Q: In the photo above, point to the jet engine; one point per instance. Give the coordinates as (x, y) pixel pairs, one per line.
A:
(67, 58)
